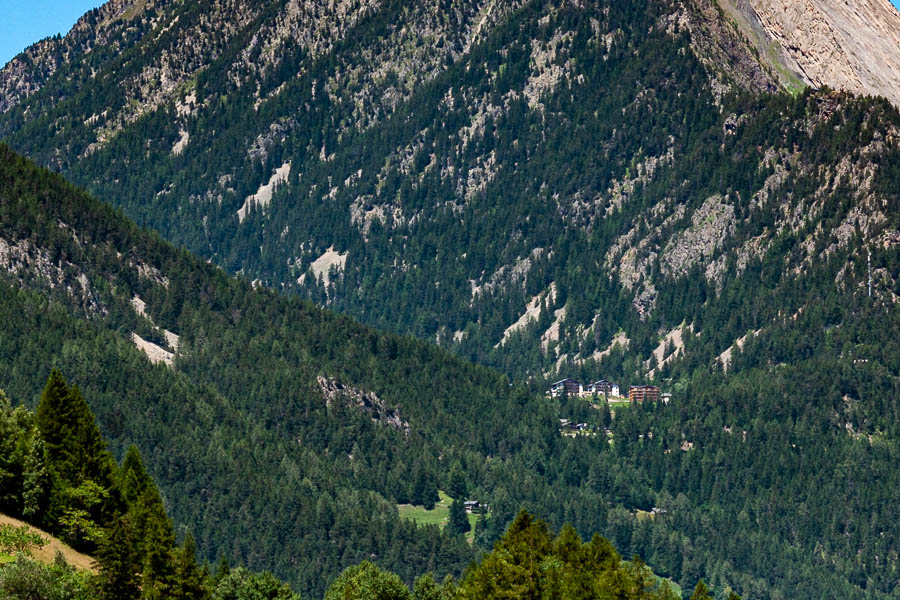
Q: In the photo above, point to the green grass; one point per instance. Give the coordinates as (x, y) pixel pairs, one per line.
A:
(436, 516)
(5, 559)
(439, 515)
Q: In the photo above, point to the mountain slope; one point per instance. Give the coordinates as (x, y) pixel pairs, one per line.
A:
(589, 189)
(258, 452)
(222, 426)
(586, 160)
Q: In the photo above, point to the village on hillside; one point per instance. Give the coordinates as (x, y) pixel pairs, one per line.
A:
(636, 393)
(602, 389)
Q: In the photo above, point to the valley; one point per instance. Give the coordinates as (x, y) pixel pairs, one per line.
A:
(331, 267)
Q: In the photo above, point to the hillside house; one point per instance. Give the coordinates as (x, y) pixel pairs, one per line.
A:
(568, 387)
(642, 393)
(604, 388)
(475, 507)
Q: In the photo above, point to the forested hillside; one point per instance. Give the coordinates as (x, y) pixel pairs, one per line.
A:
(588, 189)
(284, 436)
(58, 472)
(530, 185)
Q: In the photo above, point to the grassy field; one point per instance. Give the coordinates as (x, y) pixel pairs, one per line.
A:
(439, 515)
(5, 558)
(48, 552)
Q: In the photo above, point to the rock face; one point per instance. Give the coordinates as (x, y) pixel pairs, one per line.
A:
(852, 46)
(366, 401)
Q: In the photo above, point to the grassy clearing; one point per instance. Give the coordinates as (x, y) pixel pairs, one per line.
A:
(439, 515)
(48, 552)
(5, 558)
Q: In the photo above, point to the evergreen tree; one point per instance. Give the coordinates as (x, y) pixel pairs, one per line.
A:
(458, 523)
(37, 480)
(80, 467)
(457, 487)
(190, 581)
(10, 475)
(119, 564)
(701, 592)
(365, 581)
(426, 588)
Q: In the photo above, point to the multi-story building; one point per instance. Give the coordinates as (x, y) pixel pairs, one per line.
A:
(569, 387)
(642, 393)
(604, 387)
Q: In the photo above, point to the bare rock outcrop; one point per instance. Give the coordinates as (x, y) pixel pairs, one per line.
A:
(852, 46)
(711, 224)
(27, 72)
(364, 400)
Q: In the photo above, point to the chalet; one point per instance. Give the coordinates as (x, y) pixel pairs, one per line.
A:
(642, 393)
(567, 387)
(474, 506)
(605, 388)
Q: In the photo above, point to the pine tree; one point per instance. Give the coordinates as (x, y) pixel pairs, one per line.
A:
(459, 521)
(57, 420)
(481, 531)
(118, 563)
(701, 592)
(10, 471)
(36, 482)
(457, 487)
(80, 467)
(190, 581)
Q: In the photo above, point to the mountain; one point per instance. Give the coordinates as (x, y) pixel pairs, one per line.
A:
(631, 191)
(278, 432)
(530, 184)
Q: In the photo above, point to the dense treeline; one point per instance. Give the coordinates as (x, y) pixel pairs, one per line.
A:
(57, 473)
(772, 478)
(529, 561)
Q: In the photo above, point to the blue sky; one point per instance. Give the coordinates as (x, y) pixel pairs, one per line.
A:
(27, 21)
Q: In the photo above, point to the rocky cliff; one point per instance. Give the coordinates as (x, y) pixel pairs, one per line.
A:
(852, 46)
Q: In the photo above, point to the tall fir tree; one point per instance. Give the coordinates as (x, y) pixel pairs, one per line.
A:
(191, 582)
(459, 520)
(119, 564)
(81, 469)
